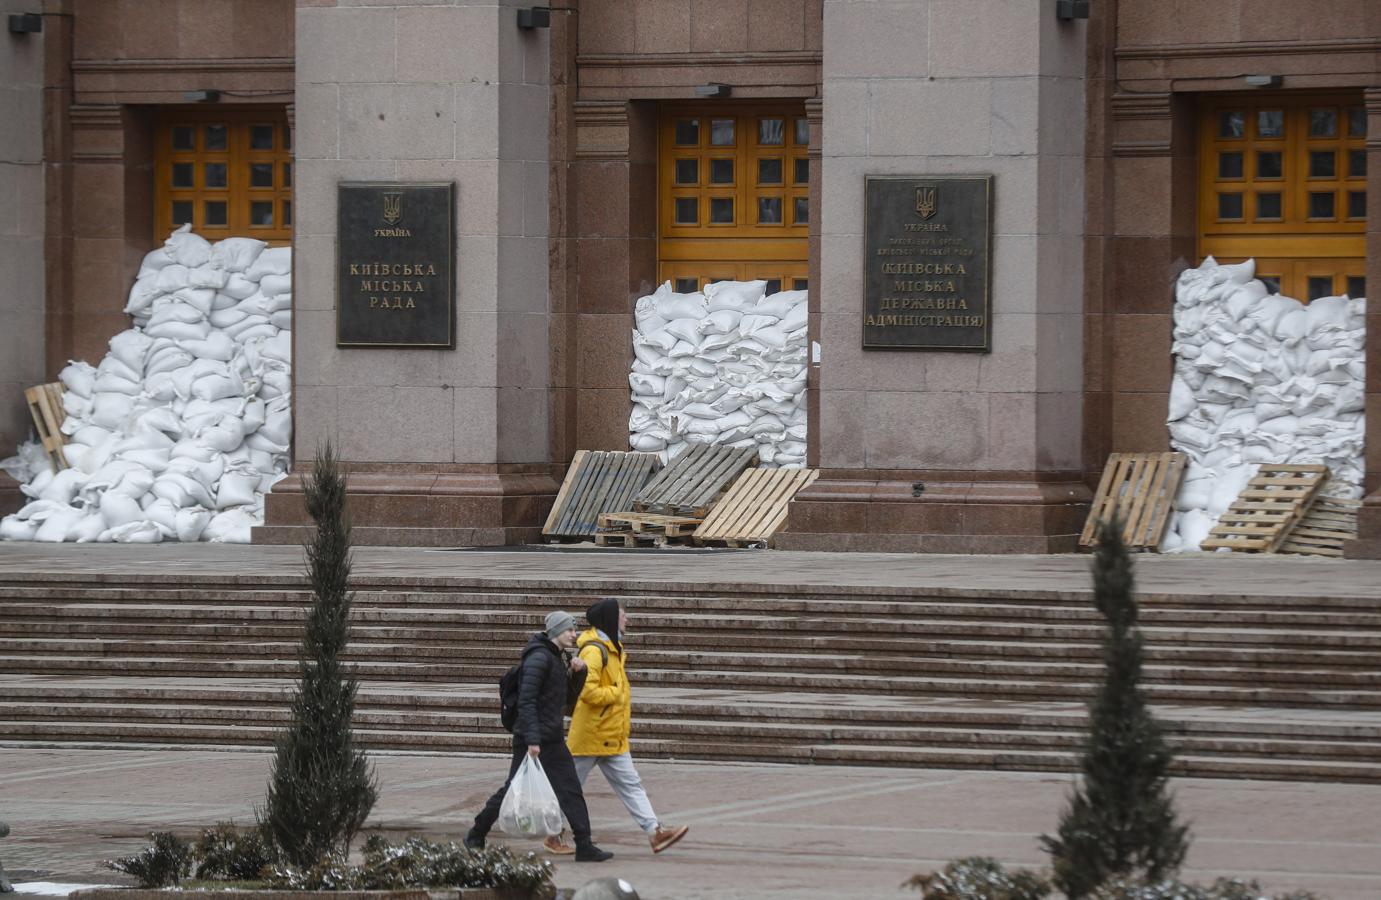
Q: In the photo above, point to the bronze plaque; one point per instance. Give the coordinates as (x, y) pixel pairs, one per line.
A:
(926, 270)
(395, 265)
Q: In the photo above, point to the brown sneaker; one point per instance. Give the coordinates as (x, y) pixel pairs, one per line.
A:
(663, 837)
(557, 846)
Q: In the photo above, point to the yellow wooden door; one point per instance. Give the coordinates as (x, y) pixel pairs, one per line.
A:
(733, 195)
(1282, 179)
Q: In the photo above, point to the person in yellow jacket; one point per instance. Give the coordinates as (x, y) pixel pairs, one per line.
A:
(600, 724)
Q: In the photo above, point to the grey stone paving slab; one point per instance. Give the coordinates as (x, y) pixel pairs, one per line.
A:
(1233, 574)
(757, 831)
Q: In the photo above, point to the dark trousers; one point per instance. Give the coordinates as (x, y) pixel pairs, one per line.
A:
(560, 768)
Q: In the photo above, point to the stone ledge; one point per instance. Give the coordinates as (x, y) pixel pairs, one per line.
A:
(385, 536)
(416, 894)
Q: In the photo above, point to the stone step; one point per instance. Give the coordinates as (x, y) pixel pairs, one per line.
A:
(1333, 670)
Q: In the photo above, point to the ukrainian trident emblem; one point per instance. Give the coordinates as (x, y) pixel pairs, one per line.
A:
(393, 207)
(925, 202)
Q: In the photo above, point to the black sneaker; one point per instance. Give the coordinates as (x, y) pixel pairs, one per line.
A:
(474, 841)
(588, 852)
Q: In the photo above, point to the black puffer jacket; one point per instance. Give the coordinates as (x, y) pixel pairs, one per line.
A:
(544, 692)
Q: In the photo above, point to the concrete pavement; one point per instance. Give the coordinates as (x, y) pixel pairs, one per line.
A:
(757, 831)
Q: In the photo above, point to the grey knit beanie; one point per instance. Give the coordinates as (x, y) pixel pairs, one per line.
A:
(558, 622)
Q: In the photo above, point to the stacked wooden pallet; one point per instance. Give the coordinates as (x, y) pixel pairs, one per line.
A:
(597, 481)
(1329, 522)
(694, 480)
(1272, 504)
(45, 405)
(1138, 488)
(635, 529)
(754, 508)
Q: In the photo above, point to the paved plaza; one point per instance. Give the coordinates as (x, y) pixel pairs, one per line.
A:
(757, 831)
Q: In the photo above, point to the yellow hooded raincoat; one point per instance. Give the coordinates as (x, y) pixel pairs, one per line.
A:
(600, 723)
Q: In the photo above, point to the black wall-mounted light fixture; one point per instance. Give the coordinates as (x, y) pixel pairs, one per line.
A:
(26, 23)
(1071, 9)
(534, 17)
(207, 95)
(713, 89)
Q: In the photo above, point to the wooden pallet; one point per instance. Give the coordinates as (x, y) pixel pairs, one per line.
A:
(1328, 523)
(691, 482)
(598, 480)
(45, 405)
(629, 539)
(1268, 508)
(754, 507)
(648, 523)
(1140, 488)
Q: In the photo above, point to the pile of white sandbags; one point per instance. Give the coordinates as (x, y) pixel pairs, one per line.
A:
(1260, 378)
(724, 367)
(185, 424)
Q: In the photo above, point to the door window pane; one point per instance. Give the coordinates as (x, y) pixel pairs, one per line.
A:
(801, 210)
(287, 138)
(184, 137)
(800, 284)
(1268, 206)
(214, 212)
(1231, 123)
(1356, 204)
(261, 212)
(215, 137)
(688, 171)
(769, 171)
(687, 132)
(1320, 286)
(1272, 282)
(287, 212)
(721, 171)
(1322, 164)
(686, 286)
(721, 210)
(1268, 164)
(1229, 206)
(1357, 163)
(1356, 121)
(182, 212)
(214, 175)
(687, 211)
(769, 210)
(802, 133)
(182, 175)
(771, 132)
(261, 137)
(1356, 286)
(1323, 122)
(1321, 205)
(802, 171)
(774, 286)
(1230, 164)
(1270, 123)
(261, 175)
(722, 132)
(287, 175)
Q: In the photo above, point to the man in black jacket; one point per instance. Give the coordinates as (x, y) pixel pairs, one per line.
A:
(547, 686)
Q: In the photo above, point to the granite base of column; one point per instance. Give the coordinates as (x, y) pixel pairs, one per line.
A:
(414, 506)
(917, 512)
(11, 498)
(1367, 545)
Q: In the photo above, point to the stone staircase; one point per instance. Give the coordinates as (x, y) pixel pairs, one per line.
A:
(1286, 688)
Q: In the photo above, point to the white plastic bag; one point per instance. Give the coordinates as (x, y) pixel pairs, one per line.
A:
(530, 808)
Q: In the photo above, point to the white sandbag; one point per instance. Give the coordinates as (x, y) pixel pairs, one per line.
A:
(176, 310)
(78, 378)
(163, 514)
(721, 321)
(191, 522)
(186, 248)
(738, 295)
(181, 331)
(647, 385)
(273, 285)
(224, 318)
(1193, 527)
(208, 275)
(114, 384)
(1328, 314)
(782, 303)
(130, 347)
(110, 410)
(257, 330)
(181, 490)
(230, 527)
(119, 509)
(281, 319)
(134, 533)
(273, 261)
(236, 254)
(13, 528)
(277, 425)
(153, 261)
(225, 435)
(237, 487)
(57, 526)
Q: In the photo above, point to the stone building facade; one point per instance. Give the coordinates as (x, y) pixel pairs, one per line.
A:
(555, 138)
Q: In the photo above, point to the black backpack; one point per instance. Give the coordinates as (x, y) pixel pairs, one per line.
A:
(509, 684)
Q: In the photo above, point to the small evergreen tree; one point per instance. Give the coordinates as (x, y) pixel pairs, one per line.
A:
(321, 787)
(1121, 820)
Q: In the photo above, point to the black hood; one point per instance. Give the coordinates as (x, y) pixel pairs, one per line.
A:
(604, 615)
